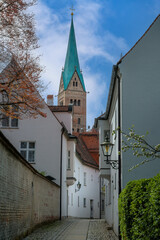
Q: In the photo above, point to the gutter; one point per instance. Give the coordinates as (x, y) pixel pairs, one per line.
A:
(119, 136)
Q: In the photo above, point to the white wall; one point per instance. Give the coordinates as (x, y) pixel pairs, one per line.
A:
(46, 133)
(66, 118)
(90, 192)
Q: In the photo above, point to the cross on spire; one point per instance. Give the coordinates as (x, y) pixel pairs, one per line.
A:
(72, 9)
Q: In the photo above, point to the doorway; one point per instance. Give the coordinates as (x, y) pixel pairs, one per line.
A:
(91, 208)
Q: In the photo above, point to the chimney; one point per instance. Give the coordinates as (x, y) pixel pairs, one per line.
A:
(50, 100)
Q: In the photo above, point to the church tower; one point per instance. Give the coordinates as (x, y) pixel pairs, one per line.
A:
(72, 88)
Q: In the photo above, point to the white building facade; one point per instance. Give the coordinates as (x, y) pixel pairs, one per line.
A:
(133, 100)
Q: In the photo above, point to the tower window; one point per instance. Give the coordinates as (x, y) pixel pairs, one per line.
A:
(76, 84)
(79, 102)
(75, 102)
(79, 120)
(73, 84)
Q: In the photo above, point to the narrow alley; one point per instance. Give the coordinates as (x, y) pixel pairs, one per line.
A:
(74, 229)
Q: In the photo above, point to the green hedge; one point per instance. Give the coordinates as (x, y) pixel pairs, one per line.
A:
(139, 210)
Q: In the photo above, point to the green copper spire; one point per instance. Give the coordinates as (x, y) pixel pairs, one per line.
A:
(71, 61)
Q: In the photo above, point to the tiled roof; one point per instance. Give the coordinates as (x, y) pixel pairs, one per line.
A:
(138, 40)
(60, 108)
(88, 148)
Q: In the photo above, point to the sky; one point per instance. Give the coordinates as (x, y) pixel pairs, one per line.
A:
(105, 30)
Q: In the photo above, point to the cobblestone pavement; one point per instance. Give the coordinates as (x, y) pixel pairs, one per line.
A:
(74, 229)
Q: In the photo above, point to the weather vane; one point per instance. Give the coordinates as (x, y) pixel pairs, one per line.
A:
(72, 9)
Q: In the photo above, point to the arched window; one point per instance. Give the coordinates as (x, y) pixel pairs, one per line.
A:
(79, 102)
(77, 129)
(73, 84)
(75, 102)
(71, 100)
(76, 84)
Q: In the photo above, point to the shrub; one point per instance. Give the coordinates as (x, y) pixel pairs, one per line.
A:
(139, 210)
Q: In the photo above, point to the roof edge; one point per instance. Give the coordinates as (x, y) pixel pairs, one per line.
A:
(138, 40)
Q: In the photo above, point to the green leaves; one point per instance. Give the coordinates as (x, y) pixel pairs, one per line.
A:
(139, 210)
(139, 146)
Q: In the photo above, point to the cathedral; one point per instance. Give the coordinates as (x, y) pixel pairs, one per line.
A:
(72, 88)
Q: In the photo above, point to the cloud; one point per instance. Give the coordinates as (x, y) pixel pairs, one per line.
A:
(92, 43)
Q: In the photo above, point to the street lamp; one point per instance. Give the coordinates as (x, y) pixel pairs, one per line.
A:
(107, 148)
(78, 187)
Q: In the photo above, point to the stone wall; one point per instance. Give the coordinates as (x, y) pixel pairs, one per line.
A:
(26, 197)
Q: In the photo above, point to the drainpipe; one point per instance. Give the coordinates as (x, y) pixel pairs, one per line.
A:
(100, 197)
(119, 137)
(62, 131)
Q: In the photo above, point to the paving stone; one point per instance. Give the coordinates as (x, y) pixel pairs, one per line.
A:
(73, 229)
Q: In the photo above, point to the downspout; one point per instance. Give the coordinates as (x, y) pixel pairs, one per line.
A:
(62, 131)
(100, 197)
(119, 137)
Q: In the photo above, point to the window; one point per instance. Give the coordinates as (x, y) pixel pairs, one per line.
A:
(69, 160)
(76, 84)
(71, 100)
(72, 129)
(27, 150)
(77, 129)
(78, 201)
(79, 120)
(84, 202)
(107, 134)
(61, 103)
(79, 102)
(91, 178)
(71, 199)
(73, 84)
(75, 102)
(11, 122)
(103, 205)
(84, 179)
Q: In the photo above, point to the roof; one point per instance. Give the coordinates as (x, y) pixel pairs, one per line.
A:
(138, 40)
(61, 108)
(88, 148)
(71, 61)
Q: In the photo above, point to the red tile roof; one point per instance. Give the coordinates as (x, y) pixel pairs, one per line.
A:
(138, 40)
(88, 148)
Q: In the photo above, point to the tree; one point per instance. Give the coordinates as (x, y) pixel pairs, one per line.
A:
(140, 147)
(19, 67)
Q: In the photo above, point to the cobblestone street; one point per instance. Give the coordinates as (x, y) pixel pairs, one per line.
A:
(74, 229)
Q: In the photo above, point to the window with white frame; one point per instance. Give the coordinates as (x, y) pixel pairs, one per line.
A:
(69, 160)
(84, 202)
(27, 150)
(85, 178)
(10, 122)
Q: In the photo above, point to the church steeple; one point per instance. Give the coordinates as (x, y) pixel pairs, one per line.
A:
(72, 89)
(72, 61)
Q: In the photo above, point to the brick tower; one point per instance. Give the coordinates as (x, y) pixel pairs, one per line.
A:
(72, 88)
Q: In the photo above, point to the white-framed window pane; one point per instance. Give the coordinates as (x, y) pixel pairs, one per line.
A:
(24, 154)
(31, 144)
(23, 144)
(5, 121)
(31, 156)
(14, 122)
